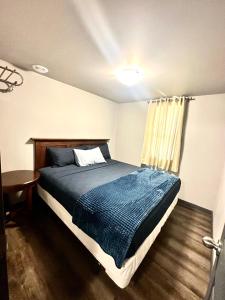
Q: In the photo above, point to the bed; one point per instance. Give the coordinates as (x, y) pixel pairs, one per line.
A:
(61, 187)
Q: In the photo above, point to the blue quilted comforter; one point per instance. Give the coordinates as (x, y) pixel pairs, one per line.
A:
(111, 213)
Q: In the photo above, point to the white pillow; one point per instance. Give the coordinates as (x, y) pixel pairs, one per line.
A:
(88, 157)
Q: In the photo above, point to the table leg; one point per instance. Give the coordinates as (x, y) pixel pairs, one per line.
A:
(29, 197)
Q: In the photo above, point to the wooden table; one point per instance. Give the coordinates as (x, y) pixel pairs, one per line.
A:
(20, 180)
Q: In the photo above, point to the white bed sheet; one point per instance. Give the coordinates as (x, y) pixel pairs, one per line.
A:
(120, 276)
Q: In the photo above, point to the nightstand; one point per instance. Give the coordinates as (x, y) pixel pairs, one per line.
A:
(20, 180)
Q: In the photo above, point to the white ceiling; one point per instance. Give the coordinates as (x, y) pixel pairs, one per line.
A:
(179, 44)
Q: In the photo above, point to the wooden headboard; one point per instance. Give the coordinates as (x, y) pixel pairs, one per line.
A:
(40, 146)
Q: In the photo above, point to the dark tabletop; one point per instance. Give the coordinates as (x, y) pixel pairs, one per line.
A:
(18, 179)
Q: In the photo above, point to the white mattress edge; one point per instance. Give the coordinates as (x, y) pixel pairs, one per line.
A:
(120, 276)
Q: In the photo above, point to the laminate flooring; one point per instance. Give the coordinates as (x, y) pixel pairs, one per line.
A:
(47, 262)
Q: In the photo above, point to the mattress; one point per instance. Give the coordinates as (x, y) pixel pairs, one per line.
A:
(121, 276)
(67, 184)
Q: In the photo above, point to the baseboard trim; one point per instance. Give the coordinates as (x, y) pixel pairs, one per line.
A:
(194, 206)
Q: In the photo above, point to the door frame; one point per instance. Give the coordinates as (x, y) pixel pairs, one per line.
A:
(213, 272)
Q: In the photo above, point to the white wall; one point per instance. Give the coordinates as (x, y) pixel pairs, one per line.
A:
(43, 107)
(130, 131)
(204, 148)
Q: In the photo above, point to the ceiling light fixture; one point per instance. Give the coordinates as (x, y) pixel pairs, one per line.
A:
(40, 69)
(129, 75)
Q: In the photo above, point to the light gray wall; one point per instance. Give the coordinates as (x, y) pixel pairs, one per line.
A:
(43, 107)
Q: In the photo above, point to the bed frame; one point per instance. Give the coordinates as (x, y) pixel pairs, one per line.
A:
(40, 147)
(120, 276)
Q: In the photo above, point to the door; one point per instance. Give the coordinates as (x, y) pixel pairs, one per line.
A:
(4, 295)
(216, 288)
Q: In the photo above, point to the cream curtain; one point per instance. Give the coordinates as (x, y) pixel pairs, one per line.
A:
(163, 133)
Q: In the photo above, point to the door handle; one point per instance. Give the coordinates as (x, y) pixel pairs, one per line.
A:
(211, 244)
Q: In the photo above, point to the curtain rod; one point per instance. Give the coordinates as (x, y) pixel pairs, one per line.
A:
(188, 98)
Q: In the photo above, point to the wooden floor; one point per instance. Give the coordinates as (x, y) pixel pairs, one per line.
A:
(46, 261)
